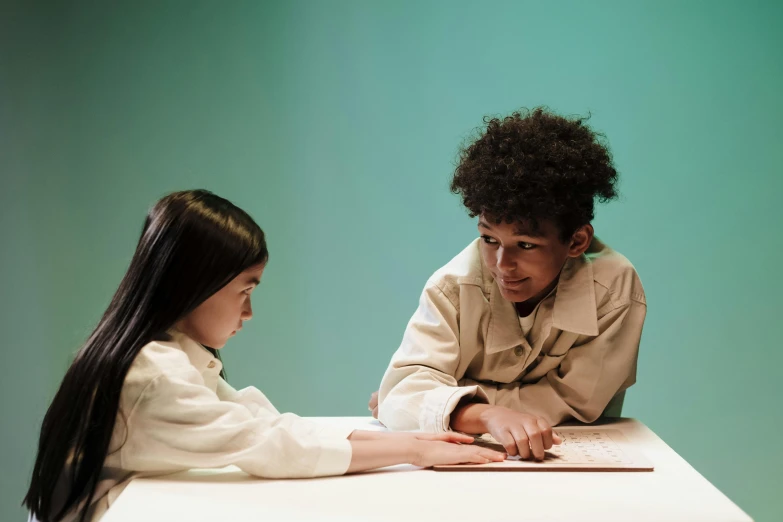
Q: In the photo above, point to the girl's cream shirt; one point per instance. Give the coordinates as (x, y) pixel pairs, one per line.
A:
(177, 413)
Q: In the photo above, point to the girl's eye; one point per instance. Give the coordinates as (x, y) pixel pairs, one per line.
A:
(248, 291)
(526, 246)
(488, 240)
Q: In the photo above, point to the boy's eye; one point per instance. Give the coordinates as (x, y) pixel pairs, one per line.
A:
(488, 240)
(525, 245)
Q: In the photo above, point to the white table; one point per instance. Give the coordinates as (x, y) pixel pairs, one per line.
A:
(673, 492)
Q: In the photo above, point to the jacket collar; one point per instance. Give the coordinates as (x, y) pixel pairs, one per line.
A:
(574, 309)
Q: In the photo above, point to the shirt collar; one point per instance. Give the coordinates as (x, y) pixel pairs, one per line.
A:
(199, 356)
(574, 309)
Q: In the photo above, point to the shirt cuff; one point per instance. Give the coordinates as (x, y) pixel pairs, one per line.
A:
(335, 457)
(440, 403)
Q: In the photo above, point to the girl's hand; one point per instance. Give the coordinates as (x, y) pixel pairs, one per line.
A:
(434, 452)
(449, 436)
(373, 449)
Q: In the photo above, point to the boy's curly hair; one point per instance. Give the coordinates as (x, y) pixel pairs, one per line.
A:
(536, 165)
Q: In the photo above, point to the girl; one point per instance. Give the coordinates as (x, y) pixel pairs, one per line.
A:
(146, 395)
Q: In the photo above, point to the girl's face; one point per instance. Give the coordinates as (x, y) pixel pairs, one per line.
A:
(221, 316)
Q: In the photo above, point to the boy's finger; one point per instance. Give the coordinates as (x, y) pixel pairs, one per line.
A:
(507, 441)
(546, 434)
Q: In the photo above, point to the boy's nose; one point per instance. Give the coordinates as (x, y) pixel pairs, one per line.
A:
(505, 261)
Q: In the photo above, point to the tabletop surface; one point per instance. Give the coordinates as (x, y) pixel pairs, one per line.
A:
(673, 492)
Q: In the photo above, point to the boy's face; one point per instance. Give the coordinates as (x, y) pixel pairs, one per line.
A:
(524, 263)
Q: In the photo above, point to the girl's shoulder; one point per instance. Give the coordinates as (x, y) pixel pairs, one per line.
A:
(155, 359)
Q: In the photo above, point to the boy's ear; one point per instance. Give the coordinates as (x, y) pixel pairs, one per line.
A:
(580, 240)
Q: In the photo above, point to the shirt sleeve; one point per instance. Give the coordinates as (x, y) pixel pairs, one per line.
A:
(589, 375)
(419, 389)
(178, 423)
(259, 405)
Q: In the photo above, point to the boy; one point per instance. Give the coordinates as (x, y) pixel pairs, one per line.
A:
(537, 321)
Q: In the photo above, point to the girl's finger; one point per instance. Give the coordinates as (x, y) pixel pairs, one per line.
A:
(492, 455)
(453, 436)
(450, 436)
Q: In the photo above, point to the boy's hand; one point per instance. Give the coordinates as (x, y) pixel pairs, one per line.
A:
(519, 433)
(373, 404)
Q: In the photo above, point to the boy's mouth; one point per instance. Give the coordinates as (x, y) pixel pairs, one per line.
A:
(512, 283)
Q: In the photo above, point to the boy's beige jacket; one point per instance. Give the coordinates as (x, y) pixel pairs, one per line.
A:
(466, 341)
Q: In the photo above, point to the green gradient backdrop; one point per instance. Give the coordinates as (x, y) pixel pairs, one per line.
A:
(336, 125)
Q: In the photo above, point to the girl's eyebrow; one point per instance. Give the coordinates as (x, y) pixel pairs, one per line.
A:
(254, 280)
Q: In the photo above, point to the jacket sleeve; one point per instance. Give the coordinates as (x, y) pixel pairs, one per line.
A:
(419, 390)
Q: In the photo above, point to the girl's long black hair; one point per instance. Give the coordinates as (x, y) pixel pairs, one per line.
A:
(193, 243)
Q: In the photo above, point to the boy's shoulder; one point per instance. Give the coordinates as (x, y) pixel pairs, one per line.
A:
(464, 268)
(614, 272)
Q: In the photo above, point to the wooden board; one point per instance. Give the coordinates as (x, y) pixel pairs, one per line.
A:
(583, 449)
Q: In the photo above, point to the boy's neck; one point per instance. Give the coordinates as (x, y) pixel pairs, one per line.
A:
(526, 308)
